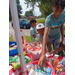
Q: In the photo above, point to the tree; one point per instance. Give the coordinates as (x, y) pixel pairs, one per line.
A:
(29, 13)
(19, 8)
(45, 9)
(10, 18)
(44, 6)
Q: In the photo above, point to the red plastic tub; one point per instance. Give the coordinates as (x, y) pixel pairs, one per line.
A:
(30, 57)
(50, 66)
(62, 73)
(27, 63)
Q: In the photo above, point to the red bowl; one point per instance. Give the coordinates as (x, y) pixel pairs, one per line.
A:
(50, 66)
(62, 73)
(27, 63)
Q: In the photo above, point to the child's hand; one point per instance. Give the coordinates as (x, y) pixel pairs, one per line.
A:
(42, 58)
(53, 51)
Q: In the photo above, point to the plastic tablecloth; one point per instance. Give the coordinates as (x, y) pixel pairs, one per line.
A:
(14, 72)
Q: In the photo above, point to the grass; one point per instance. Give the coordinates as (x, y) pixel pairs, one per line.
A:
(10, 38)
(40, 21)
(28, 39)
(10, 21)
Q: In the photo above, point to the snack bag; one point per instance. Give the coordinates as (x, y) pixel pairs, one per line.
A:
(30, 48)
(54, 61)
(60, 67)
(16, 65)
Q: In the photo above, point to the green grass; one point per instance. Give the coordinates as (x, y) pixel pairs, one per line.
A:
(40, 21)
(28, 39)
(10, 21)
(10, 38)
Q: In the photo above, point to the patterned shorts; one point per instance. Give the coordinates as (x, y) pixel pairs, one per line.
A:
(55, 42)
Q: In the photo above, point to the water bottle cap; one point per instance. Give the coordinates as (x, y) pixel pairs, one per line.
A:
(20, 30)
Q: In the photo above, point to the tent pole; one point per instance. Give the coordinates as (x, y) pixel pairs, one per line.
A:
(16, 26)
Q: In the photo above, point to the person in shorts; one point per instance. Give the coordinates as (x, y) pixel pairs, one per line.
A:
(53, 28)
(60, 48)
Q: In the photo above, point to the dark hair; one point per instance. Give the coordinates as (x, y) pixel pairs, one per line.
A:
(32, 21)
(58, 3)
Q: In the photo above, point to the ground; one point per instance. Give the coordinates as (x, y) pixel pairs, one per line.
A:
(25, 31)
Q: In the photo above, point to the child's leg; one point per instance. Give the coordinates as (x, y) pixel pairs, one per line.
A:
(56, 44)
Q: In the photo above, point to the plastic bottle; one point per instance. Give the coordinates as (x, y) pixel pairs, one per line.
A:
(29, 66)
(14, 39)
(23, 39)
(31, 72)
(22, 36)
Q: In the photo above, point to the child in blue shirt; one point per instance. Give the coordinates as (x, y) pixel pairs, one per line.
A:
(33, 30)
(53, 27)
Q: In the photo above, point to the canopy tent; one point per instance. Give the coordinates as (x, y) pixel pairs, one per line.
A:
(15, 20)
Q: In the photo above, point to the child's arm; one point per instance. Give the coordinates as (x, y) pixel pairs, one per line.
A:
(34, 35)
(61, 29)
(44, 42)
(58, 49)
(43, 58)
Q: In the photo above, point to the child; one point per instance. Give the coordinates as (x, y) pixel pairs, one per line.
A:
(53, 27)
(40, 29)
(32, 30)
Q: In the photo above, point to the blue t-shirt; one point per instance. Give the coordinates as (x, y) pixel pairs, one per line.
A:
(32, 31)
(54, 25)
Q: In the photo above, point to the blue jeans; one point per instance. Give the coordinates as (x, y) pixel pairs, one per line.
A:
(55, 42)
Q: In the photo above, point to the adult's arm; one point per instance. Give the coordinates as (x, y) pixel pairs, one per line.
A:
(34, 35)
